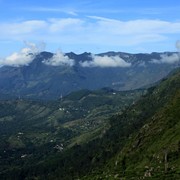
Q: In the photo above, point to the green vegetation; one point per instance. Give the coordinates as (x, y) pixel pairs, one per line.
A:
(152, 149)
(80, 140)
(32, 131)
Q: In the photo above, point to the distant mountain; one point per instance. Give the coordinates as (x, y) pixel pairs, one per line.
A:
(41, 81)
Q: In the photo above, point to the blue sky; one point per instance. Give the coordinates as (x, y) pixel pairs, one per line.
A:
(90, 25)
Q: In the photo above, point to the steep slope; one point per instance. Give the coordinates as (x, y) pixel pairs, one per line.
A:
(152, 151)
(155, 150)
(42, 81)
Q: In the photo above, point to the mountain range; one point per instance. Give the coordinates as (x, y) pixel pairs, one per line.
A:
(41, 79)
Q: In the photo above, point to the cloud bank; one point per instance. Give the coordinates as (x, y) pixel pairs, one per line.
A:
(59, 59)
(24, 57)
(168, 59)
(27, 54)
(105, 62)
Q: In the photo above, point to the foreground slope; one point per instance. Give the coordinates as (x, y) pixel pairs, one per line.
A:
(153, 151)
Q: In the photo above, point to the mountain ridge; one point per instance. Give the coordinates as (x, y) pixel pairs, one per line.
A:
(42, 81)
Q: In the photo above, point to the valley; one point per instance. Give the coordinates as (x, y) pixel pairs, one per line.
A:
(93, 134)
(33, 129)
(89, 90)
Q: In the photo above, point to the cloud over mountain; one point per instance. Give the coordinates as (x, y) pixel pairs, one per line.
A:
(105, 61)
(59, 59)
(169, 59)
(25, 56)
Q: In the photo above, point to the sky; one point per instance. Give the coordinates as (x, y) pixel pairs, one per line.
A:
(96, 26)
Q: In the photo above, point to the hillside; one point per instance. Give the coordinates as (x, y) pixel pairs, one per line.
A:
(142, 141)
(152, 149)
(44, 81)
(31, 131)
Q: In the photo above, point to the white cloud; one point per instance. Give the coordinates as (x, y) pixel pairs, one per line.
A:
(36, 48)
(178, 45)
(18, 59)
(72, 13)
(105, 61)
(138, 26)
(91, 31)
(59, 59)
(62, 25)
(45, 9)
(25, 56)
(171, 59)
(22, 28)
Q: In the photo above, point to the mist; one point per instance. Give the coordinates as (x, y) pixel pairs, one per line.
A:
(105, 62)
(59, 59)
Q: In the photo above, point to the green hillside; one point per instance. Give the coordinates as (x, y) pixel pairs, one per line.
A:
(31, 131)
(153, 152)
(140, 141)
